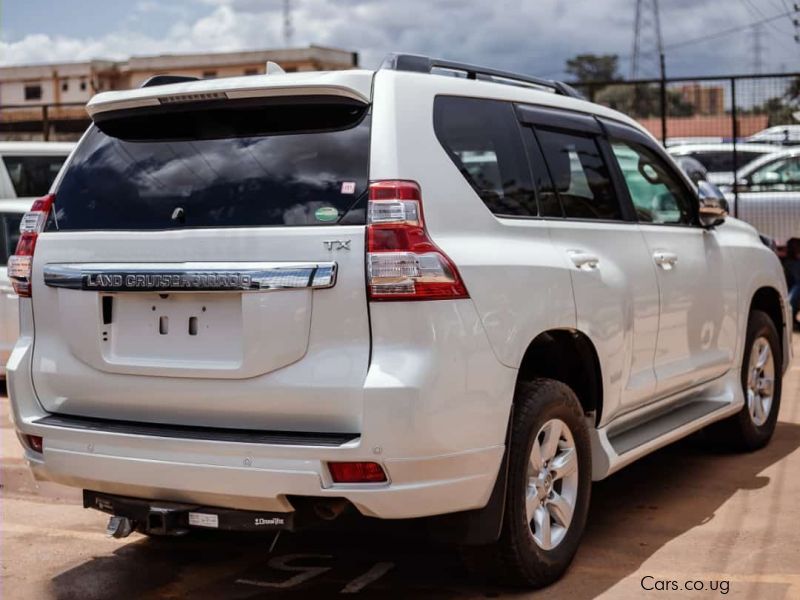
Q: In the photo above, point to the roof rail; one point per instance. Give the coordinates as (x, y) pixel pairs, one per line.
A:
(426, 64)
(167, 79)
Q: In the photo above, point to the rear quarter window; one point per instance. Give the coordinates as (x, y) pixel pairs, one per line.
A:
(229, 165)
(483, 139)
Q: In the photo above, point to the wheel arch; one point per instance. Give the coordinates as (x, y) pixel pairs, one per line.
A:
(768, 300)
(568, 356)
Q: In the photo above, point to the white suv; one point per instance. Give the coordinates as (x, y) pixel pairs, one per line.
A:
(260, 301)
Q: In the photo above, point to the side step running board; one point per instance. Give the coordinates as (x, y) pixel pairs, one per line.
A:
(631, 438)
(652, 427)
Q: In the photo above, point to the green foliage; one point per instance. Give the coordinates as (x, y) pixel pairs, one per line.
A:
(586, 68)
(780, 109)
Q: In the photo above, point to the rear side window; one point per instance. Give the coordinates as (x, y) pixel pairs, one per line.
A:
(32, 175)
(579, 175)
(482, 138)
(9, 234)
(231, 165)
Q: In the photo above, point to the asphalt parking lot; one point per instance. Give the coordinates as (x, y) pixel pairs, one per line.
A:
(687, 516)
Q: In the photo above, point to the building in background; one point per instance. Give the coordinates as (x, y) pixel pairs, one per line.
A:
(704, 99)
(46, 101)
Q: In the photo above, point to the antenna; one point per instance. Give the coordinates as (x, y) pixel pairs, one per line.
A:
(646, 32)
(288, 30)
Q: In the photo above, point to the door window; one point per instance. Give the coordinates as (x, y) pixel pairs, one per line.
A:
(782, 175)
(579, 175)
(657, 194)
(482, 138)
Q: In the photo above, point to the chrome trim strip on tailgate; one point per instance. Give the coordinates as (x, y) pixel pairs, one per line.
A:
(190, 276)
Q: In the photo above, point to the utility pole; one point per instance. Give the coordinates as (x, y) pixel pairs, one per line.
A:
(287, 23)
(796, 22)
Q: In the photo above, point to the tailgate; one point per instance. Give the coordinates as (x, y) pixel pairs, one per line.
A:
(204, 266)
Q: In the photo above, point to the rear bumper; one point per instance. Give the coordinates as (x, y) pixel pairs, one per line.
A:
(259, 477)
(435, 414)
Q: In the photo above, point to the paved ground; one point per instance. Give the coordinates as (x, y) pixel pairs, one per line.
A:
(682, 514)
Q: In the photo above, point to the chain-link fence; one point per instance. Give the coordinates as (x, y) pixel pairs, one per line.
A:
(744, 131)
(707, 109)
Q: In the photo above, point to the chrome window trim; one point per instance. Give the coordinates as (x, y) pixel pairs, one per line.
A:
(191, 276)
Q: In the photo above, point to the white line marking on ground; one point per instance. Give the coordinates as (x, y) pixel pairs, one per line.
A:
(359, 583)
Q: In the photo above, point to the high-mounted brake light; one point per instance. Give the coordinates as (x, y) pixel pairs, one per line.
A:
(21, 262)
(403, 263)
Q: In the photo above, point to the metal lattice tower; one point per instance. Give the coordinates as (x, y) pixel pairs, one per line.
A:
(288, 30)
(647, 43)
(758, 48)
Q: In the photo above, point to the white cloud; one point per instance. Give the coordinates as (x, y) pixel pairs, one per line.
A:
(535, 37)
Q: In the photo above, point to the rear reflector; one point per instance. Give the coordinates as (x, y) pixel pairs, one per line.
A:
(403, 263)
(356, 472)
(20, 264)
(35, 443)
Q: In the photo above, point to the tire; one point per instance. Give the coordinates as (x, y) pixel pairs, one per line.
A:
(519, 558)
(751, 428)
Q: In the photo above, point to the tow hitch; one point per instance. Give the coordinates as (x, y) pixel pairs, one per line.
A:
(172, 518)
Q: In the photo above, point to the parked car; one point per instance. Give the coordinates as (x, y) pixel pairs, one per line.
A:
(28, 168)
(11, 212)
(769, 195)
(787, 135)
(718, 158)
(693, 140)
(265, 300)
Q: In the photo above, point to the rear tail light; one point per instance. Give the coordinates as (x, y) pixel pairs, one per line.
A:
(403, 263)
(21, 262)
(356, 472)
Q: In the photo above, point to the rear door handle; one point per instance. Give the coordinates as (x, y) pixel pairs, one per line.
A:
(665, 260)
(583, 260)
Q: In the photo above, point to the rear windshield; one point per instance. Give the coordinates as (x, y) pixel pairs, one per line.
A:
(229, 165)
(722, 161)
(32, 175)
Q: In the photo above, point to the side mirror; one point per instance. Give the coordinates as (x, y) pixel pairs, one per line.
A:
(713, 205)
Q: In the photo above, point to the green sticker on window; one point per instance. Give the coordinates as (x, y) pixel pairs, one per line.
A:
(326, 214)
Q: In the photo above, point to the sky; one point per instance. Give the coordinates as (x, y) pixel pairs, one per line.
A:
(531, 36)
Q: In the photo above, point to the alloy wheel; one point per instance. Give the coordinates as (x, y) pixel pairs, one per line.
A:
(760, 381)
(552, 484)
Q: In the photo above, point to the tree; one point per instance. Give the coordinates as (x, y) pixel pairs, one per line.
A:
(590, 68)
(643, 100)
